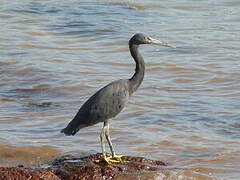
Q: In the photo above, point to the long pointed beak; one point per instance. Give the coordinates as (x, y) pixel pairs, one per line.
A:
(157, 42)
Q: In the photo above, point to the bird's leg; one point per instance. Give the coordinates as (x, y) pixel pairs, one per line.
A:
(102, 137)
(107, 135)
(115, 158)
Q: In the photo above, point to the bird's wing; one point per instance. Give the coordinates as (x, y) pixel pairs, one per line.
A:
(107, 102)
(111, 99)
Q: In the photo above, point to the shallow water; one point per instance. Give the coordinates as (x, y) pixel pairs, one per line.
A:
(55, 54)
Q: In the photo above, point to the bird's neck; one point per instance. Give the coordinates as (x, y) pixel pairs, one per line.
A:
(138, 76)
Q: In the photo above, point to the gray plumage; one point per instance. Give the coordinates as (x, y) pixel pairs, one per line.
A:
(109, 101)
(104, 104)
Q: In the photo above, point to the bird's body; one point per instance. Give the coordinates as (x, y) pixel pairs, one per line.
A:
(106, 103)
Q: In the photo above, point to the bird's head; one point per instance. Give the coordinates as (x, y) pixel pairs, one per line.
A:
(140, 38)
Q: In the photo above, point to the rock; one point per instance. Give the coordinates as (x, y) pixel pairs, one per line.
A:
(16, 173)
(73, 168)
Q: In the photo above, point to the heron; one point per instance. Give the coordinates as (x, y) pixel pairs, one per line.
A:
(109, 101)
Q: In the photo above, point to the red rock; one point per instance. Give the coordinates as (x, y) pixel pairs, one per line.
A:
(73, 168)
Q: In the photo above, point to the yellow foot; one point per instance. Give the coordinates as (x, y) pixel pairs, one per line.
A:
(110, 160)
(117, 158)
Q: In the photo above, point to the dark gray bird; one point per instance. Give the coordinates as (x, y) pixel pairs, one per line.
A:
(109, 101)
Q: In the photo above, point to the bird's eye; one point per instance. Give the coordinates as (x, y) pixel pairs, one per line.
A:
(146, 38)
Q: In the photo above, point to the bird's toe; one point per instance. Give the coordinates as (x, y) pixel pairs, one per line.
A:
(110, 160)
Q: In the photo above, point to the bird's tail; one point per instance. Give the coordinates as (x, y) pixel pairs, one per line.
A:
(67, 132)
(72, 128)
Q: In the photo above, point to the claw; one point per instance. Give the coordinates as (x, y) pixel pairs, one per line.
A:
(117, 158)
(110, 160)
